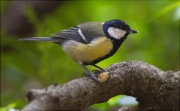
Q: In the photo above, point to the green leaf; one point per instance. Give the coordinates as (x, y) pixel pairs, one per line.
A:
(9, 106)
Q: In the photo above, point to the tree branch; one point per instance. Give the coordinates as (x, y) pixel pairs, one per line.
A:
(153, 88)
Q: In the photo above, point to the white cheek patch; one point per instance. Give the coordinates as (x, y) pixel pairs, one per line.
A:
(116, 33)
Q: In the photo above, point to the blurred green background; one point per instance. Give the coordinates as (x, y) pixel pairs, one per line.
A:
(29, 65)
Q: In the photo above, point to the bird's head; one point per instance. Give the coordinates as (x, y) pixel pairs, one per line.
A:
(117, 29)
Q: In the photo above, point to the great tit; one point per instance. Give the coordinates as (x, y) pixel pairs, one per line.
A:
(90, 42)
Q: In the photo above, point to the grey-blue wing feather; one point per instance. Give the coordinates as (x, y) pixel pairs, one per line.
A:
(69, 34)
(89, 32)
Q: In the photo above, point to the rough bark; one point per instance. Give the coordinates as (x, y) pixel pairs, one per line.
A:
(153, 88)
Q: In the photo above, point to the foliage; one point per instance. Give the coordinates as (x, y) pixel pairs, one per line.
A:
(28, 65)
(9, 107)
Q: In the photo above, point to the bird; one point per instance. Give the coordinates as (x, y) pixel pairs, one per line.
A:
(90, 42)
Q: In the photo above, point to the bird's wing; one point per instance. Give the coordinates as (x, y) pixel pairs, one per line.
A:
(84, 33)
(69, 34)
(91, 30)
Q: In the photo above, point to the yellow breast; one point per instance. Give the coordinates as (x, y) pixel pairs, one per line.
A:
(88, 52)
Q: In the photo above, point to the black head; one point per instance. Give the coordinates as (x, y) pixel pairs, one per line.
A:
(117, 29)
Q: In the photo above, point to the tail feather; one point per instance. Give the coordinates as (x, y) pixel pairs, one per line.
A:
(52, 39)
(37, 39)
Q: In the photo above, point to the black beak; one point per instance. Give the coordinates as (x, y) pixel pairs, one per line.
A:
(133, 31)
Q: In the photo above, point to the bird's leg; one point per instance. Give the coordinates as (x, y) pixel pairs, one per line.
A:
(99, 67)
(89, 73)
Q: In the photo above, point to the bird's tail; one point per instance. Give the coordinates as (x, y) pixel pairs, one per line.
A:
(52, 39)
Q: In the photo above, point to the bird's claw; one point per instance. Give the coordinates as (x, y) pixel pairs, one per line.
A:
(93, 76)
